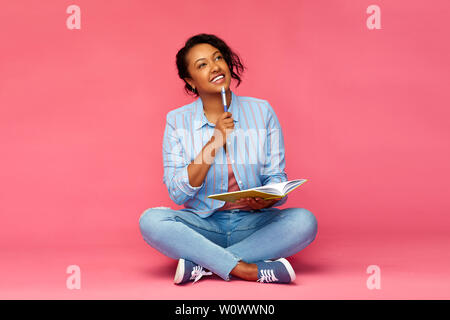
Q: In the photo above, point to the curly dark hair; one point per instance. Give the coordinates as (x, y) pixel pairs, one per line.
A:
(232, 59)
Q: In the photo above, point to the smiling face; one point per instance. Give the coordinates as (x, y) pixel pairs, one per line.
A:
(205, 63)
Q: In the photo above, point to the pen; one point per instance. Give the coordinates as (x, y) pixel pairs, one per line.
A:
(224, 100)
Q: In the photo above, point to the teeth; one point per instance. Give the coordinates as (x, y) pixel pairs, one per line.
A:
(217, 78)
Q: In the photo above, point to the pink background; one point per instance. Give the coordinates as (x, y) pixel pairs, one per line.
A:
(82, 114)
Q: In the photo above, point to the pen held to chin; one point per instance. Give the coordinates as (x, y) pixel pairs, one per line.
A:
(224, 99)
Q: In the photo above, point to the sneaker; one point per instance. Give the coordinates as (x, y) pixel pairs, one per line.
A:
(278, 271)
(187, 270)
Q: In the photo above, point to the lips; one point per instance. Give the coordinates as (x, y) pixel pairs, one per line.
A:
(217, 75)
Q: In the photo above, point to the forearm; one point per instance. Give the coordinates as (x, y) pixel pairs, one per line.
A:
(198, 168)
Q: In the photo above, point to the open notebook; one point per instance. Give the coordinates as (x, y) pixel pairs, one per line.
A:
(269, 191)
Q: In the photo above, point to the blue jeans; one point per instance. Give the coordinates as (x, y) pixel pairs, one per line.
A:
(219, 241)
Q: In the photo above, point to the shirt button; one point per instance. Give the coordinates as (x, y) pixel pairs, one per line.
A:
(240, 181)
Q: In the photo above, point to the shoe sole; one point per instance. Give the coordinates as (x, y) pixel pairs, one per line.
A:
(288, 268)
(179, 274)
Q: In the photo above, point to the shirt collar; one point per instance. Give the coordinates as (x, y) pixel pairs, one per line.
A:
(200, 118)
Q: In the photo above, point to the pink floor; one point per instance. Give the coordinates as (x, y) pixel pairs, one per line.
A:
(413, 266)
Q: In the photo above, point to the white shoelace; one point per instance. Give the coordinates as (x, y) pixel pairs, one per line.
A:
(198, 272)
(267, 275)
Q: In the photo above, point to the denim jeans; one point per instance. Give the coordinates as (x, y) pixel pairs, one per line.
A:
(219, 241)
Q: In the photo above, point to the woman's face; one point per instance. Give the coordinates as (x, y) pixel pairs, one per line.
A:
(205, 63)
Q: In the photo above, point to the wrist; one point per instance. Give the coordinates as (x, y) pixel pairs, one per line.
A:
(216, 143)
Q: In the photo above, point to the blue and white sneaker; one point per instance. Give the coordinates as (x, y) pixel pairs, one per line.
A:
(278, 271)
(188, 270)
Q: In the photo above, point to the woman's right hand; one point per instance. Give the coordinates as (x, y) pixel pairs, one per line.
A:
(224, 125)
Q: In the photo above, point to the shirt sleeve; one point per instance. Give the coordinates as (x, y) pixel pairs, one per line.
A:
(176, 164)
(274, 165)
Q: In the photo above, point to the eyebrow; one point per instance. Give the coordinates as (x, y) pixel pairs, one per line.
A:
(204, 58)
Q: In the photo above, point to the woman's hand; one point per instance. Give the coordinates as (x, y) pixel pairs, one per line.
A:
(257, 203)
(224, 126)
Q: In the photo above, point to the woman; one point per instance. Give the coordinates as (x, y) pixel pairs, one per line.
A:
(206, 151)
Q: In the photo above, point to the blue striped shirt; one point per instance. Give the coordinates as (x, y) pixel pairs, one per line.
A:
(255, 147)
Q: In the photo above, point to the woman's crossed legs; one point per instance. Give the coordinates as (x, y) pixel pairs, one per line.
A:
(221, 240)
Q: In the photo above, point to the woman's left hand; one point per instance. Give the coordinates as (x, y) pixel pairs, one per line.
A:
(257, 203)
